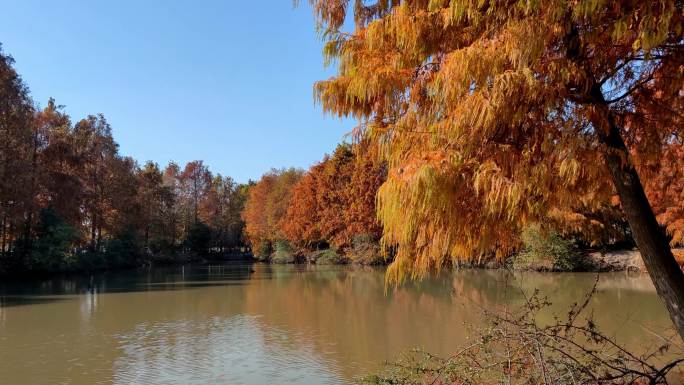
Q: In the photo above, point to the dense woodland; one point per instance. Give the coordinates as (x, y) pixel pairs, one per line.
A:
(70, 201)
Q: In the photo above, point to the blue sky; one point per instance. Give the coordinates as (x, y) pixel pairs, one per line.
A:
(228, 82)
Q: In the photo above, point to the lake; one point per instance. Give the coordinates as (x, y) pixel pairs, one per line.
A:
(273, 324)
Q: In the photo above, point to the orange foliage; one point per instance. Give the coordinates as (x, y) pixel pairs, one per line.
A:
(666, 193)
(335, 200)
(267, 204)
(494, 115)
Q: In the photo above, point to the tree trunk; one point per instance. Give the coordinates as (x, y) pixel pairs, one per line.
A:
(2, 233)
(98, 243)
(665, 273)
(28, 225)
(147, 238)
(93, 229)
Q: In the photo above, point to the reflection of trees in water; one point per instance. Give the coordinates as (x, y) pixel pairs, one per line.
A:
(367, 325)
(349, 308)
(143, 279)
(623, 306)
(342, 313)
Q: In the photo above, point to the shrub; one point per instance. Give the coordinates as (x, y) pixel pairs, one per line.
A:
(122, 250)
(365, 250)
(283, 252)
(199, 238)
(512, 347)
(546, 250)
(52, 246)
(262, 251)
(331, 257)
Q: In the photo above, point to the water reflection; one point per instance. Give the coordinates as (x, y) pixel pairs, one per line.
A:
(239, 349)
(255, 324)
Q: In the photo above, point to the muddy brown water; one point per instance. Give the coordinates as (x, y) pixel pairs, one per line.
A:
(274, 324)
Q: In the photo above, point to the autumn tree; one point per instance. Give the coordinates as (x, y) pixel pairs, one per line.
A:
(266, 207)
(301, 225)
(195, 180)
(96, 150)
(171, 181)
(16, 113)
(335, 200)
(493, 114)
(221, 210)
(61, 163)
(153, 198)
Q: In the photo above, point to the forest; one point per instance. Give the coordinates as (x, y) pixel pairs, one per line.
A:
(70, 201)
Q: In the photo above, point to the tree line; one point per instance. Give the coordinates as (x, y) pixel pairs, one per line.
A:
(326, 214)
(70, 201)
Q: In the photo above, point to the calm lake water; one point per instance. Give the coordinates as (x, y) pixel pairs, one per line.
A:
(270, 324)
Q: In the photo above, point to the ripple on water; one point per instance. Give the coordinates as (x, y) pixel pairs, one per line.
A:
(235, 350)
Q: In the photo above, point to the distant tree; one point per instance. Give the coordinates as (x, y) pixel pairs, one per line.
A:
(335, 200)
(174, 215)
(156, 200)
(267, 205)
(16, 114)
(97, 151)
(195, 181)
(69, 200)
(301, 224)
(221, 210)
(63, 185)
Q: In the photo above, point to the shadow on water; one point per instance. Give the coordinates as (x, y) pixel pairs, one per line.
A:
(8, 301)
(165, 278)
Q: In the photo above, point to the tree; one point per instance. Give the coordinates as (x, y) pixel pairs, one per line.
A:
(493, 114)
(266, 207)
(665, 188)
(16, 114)
(96, 150)
(195, 180)
(301, 225)
(221, 210)
(335, 200)
(156, 200)
(199, 237)
(61, 163)
(54, 241)
(69, 200)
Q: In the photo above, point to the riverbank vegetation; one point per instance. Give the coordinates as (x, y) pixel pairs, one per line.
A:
(70, 201)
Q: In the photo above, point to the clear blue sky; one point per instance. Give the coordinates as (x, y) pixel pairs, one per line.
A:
(228, 82)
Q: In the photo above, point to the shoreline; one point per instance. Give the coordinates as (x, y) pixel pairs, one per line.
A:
(594, 261)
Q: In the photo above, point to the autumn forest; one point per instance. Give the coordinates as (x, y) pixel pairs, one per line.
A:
(514, 136)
